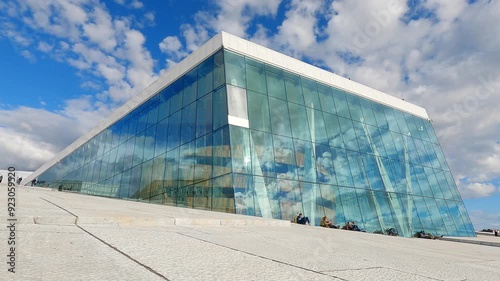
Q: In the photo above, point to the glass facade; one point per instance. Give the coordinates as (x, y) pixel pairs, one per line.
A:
(237, 135)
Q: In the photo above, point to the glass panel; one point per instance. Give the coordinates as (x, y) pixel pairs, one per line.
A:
(164, 107)
(366, 108)
(149, 143)
(262, 154)
(240, 150)
(190, 86)
(203, 163)
(139, 149)
(223, 194)
(447, 218)
(350, 204)
(311, 98)
(258, 112)
(205, 77)
(219, 108)
(367, 205)
(293, 88)
(361, 132)
(121, 158)
(311, 202)
(171, 173)
(135, 181)
(125, 184)
(436, 218)
(290, 199)
(144, 191)
(203, 195)
(176, 92)
(235, 69)
(400, 119)
(332, 204)
(187, 163)
(333, 130)
(280, 122)
(326, 98)
(204, 115)
(317, 126)
(222, 152)
(188, 128)
(174, 130)
(256, 79)
(391, 119)
(423, 214)
(414, 131)
(285, 164)
(267, 201)
(340, 103)
(324, 165)
(219, 75)
(160, 144)
(298, 121)
(244, 194)
(237, 102)
(357, 169)
(129, 154)
(157, 177)
(354, 107)
(304, 155)
(153, 112)
(433, 182)
(378, 110)
(348, 134)
(275, 82)
(342, 169)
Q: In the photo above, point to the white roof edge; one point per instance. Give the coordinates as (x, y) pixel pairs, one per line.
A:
(245, 47)
(206, 50)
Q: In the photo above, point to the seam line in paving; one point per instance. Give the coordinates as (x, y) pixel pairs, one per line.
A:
(111, 246)
(123, 253)
(262, 257)
(380, 267)
(59, 207)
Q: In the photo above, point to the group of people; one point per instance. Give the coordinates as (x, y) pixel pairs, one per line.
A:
(301, 219)
(351, 225)
(427, 235)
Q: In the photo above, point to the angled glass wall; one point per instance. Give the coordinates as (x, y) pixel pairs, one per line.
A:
(237, 135)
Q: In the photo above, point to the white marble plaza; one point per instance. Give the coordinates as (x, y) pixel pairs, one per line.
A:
(65, 236)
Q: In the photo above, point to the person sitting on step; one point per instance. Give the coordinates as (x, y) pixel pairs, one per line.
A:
(326, 223)
(302, 220)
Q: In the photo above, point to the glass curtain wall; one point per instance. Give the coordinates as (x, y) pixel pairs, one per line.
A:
(319, 150)
(309, 148)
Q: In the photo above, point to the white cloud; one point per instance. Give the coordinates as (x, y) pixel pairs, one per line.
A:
(150, 17)
(477, 190)
(136, 4)
(170, 44)
(44, 47)
(101, 30)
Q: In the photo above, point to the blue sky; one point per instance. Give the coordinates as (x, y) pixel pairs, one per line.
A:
(65, 64)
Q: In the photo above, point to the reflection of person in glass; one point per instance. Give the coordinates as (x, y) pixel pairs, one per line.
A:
(302, 220)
